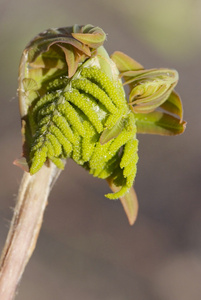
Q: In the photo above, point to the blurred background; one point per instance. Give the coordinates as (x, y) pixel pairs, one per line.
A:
(86, 249)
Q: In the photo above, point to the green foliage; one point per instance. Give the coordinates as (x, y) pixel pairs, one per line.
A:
(73, 105)
(157, 108)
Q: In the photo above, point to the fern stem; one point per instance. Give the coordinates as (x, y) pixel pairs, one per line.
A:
(25, 226)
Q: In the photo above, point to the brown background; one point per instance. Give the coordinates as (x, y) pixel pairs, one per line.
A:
(86, 248)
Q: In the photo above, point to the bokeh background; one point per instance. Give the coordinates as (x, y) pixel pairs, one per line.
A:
(86, 249)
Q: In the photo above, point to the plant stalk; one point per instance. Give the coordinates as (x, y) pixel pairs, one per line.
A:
(25, 226)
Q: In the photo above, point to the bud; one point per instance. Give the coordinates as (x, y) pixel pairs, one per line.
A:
(150, 88)
(157, 107)
(73, 105)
